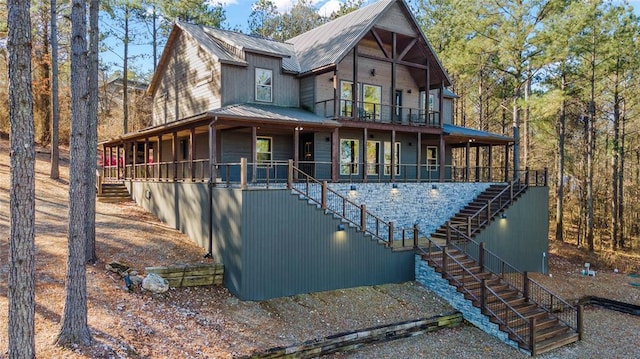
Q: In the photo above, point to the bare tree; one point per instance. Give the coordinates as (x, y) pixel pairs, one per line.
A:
(22, 196)
(55, 104)
(75, 329)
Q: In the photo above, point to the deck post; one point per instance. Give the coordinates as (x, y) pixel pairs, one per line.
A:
(469, 226)
(363, 217)
(544, 180)
(526, 176)
(243, 173)
(390, 234)
(444, 262)
(525, 285)
(448, 232)
(481, 256)
(290, 175)
(323, 200)
(490, 163)
(134, 160)
(415, 236)
(580, 321)
(483, 296)
(174, 154)
(192, 152)
(532, 336)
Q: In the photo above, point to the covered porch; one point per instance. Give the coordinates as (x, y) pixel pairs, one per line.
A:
(216, 145)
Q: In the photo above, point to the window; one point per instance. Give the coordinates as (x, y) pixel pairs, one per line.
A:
(263, 85)
(387, 159)
(349, 156)
(373, 157)
(372, 98)
(432, 158)
(263, 149)
(346, 96)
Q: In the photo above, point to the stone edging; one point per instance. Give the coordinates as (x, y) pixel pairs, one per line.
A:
(355, 339)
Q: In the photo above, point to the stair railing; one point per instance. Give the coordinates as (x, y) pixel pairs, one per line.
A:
(329, 200)
(484, 214)
(491, 304)
(533, 291)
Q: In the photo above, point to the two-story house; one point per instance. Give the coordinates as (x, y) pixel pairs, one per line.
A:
(361, 103)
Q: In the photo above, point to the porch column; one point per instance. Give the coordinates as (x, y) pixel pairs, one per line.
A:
(146, 158)
(477, 163)
(441, 103)
(354, 93)
(174, 154)
(441, 159)
(393, 155)
(490, 162)
(296, 150)
(426, 110)
(393, 78)
(365, 160)
(506, 163)
(192, 152)
(158, 160)
(134, 160)
(254, 155)
(336, 94)
(418, 157)
(118, 162)
(212, 154)
(467, 161)
(335, 158)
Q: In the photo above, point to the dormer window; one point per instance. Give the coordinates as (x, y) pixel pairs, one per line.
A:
(264, 85)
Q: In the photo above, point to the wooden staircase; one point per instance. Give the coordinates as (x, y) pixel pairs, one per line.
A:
(478, 214)
(533, 317)
(113, 192)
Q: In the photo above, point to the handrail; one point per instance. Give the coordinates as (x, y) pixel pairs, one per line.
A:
(341, 206)
(537, 293)
(487, 208)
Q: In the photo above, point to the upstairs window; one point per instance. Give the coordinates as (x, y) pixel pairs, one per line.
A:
(264, 85)
(372, 100)
(346, 97)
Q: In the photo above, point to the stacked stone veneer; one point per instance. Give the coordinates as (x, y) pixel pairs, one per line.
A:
(409, 204)
(427, 276)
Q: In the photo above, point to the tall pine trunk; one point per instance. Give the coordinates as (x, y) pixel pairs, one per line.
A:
(92, 134)
(21, 291)
(74, 329)
(55, 105)
(561, 130)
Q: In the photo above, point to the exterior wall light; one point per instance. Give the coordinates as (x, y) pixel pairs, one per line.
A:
(373, 72)
(394, 185)
(341, 227)
(353, 187)
(434, 186)
(503, 215)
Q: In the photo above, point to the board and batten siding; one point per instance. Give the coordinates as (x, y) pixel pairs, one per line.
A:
(522, 238)
(190, 83)
(396, 20)
(291, 247)
(307, 92)
(238, 82)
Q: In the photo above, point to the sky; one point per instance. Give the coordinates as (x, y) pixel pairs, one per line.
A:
(238, 11)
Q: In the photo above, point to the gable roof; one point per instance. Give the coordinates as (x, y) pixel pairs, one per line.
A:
(329, 43)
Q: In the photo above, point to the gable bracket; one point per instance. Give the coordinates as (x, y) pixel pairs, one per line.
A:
(407, 48)
(379, 42)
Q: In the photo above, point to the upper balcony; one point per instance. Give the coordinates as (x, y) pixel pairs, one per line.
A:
(378, 113)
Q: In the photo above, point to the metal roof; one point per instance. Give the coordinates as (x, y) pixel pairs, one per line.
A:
(273, 113)
(327, 44)
(198, 32)
(473, 135)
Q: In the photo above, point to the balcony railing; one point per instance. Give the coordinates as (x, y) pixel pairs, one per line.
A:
(380, 113)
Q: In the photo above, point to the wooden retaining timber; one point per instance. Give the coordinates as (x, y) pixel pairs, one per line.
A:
(355, 339)
(190, 275)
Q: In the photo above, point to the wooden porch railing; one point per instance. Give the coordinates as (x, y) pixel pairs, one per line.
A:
(382, 113)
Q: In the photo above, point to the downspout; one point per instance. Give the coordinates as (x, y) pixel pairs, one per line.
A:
(210, 187)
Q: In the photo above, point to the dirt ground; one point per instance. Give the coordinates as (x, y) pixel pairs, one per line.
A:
(208, 322)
